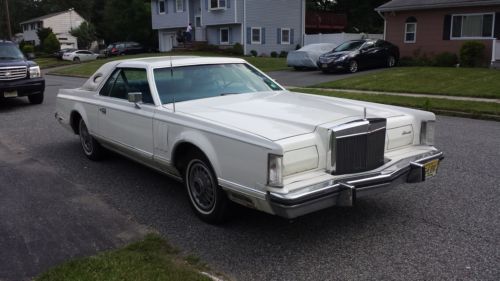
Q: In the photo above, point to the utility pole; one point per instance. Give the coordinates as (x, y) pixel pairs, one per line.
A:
(9, 31)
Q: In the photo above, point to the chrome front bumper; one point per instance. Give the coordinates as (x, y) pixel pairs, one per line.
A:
(345, 190)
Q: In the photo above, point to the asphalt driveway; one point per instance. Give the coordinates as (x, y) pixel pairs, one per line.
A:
(306, 78)
(445, 229)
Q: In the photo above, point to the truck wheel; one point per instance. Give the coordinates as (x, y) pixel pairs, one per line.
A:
(36, 98)
(206, 197)
(91, 148)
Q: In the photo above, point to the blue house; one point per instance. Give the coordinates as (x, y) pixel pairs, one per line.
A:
(261, 25)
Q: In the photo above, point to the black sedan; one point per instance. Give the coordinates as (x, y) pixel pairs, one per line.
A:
(353, 55)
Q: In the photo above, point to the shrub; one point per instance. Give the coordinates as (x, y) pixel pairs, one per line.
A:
(415, 61)
(283, 54)
(51, 44)
(28, 49)
(472, 54)
(274, 54)
(237, 49)
(253, 53)
(445, 59)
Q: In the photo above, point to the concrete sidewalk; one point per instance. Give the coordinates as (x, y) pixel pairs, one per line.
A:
(46, 220)
(405, 94)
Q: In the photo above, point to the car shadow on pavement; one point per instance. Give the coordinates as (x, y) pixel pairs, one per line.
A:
(13, 103)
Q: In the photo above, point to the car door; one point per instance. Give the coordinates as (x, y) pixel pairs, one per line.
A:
(127, 126)
(367, 55)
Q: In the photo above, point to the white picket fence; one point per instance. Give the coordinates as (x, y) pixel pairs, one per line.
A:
(338, 38)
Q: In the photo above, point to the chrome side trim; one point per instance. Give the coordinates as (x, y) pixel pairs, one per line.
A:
(238, 188)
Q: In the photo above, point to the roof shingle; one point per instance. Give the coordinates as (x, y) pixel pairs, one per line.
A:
(400, 5)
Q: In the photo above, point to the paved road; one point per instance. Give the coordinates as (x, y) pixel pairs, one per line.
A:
(445, 229)
(312, 77)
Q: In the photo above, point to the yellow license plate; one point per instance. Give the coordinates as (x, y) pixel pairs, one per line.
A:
(431, 168)
(10, 94)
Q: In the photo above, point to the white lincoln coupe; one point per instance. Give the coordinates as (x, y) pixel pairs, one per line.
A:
(231, 133)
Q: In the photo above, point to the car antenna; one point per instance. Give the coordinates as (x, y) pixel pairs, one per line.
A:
(172, 76)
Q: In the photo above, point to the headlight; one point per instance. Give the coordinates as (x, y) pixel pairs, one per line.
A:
(35, 72)
(342, 58)
(427, 132)
(275, 171)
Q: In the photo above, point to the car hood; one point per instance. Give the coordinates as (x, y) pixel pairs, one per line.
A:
(279, 115)
(16, 62)
(335, 55)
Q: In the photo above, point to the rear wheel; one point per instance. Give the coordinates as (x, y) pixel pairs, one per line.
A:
(207, 199)
(91, 148)
(391, 61)
(353, 66)
(36, 98)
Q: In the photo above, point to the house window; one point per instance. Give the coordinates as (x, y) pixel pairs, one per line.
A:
(411, 30)
(217, 4)
(161, 6)
(256, 35)
(224, 36)
(179, 5)
(285, 36)
(472, 26)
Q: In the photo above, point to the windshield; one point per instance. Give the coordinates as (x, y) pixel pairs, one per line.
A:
(10, 52)
(349, 46)
(206, 81)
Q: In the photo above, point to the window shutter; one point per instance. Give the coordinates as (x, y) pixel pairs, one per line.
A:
(228, 3)
(447, 27)
(166, 6)
(278, 33)
(292, 40)
(184, 5)
(230, 35)
(496, 32)
(218, 36)
(249, 35)
(206, 5)
(263, 36)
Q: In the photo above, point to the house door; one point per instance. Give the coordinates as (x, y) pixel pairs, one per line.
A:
(166, 41)
(199, 30)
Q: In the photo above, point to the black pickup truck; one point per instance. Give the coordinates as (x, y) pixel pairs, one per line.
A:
(19, 77)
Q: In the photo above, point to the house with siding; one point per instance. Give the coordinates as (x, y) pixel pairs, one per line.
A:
(261, 25)
(434, 26)
(61, 23)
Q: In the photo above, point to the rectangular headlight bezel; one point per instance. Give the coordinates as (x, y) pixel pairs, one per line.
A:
(35, 72)
(275, 170)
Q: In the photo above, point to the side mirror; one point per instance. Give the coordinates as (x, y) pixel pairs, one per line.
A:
(135, 98)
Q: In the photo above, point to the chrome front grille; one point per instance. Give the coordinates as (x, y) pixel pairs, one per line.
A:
(13, 72)
(358, 146)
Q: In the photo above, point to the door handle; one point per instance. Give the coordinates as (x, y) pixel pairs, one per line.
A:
(102, 110)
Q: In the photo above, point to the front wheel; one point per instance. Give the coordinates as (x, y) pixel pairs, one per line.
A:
(76, 60)
(353, 66)
(207, 199)
(91, 148)
(36, 98)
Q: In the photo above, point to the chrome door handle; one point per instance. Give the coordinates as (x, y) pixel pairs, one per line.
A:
(102, 110)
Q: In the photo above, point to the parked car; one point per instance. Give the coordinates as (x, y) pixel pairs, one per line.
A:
(59, 54)
(357, 54)
(231, 133)
(80, 55)
(124, 48)
(307, 56)
(19, 76)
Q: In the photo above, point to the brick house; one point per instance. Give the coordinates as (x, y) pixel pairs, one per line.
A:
(434, 26)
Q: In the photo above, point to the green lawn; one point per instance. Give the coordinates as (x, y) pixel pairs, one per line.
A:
(148, 260)
(50, 62)
(469, 82)
(88, 68)
(484, 110)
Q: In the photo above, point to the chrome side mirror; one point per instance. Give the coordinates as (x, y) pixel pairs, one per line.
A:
(135, 98)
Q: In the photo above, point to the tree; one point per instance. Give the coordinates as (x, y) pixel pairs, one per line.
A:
(85, 34)
(321, 5)
(128, 20)
(51, 44)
